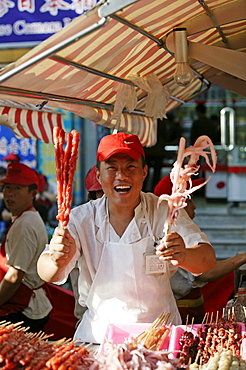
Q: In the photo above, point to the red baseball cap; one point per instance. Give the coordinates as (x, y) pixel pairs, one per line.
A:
(12, 157)
(20, 174)
(42, 182)
(165, 185)
(119, 143)
(91, 182)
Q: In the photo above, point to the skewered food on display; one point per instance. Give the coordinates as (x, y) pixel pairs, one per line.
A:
(210, 346)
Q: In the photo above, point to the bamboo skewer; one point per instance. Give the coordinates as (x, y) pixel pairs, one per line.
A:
(161, 320)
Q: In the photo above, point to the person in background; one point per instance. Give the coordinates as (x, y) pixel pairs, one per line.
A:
(123, 278)
(94, 188)
(22, 294)
(45, 199)
(203, 125)
(2, 175)
(217, 132)
(12, 158)
(41, 204)
(186, 286)
(5, 215)
(46, 203)
(47, 194)
(168, 133)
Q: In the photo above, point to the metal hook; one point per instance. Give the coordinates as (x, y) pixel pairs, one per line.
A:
(42, 104)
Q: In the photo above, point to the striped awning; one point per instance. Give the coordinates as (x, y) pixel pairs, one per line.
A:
(83, 67)
(27, 121)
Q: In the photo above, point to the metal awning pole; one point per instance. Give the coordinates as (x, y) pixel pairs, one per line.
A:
(53, 50)
(39, 95)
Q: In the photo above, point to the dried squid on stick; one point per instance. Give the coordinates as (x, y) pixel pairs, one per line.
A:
(66, 160)
(181, 176)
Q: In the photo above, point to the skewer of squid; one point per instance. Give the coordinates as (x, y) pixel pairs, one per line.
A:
(181, 176)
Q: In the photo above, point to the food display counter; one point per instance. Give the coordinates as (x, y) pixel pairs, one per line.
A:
(125, 347)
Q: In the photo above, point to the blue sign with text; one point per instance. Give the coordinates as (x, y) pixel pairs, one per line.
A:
(25, 23)
(24, 148)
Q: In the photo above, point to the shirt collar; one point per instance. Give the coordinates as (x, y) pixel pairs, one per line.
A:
(102, 221)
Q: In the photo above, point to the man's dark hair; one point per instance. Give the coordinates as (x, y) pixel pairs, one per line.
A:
(32, 187)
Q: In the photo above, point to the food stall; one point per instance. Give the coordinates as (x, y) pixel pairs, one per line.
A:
(115, 66)
(154, 346)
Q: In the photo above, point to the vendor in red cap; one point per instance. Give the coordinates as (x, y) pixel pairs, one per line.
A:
(186, 286)
(22, 297)
(12, 158)
(122, 279)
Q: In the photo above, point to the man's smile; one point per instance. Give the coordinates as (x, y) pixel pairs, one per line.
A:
(122, 188)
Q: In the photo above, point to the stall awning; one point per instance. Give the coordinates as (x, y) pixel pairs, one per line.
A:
(83, 67)
(27, 121)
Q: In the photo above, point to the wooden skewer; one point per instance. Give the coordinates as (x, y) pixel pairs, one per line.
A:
(223, 312)
(211, 320)
(217, 317)
(192, 323)
(197, 356)
(160, 320)
(204, 319)
(173, 319)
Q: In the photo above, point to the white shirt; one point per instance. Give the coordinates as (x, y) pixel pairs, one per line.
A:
(183, 281)
(25, 242)
(88, 226)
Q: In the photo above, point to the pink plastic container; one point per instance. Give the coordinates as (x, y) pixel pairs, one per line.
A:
(178, 331)
(243, 350)
(117, 333)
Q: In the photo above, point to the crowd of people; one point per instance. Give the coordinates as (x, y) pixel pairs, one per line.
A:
(108, 249)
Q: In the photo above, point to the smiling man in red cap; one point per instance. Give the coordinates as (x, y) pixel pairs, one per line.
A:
(22, 297)
(122, 279)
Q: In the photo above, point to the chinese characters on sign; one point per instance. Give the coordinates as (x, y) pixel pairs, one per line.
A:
(28, 22)
(25, 148)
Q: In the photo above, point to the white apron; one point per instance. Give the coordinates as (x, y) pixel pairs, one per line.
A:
(123, 293)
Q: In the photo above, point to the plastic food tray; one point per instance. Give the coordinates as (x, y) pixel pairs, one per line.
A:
(117, 333)
(178, 331)
(243, 354)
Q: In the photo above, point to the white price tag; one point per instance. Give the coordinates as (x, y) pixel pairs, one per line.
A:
(154, 265)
